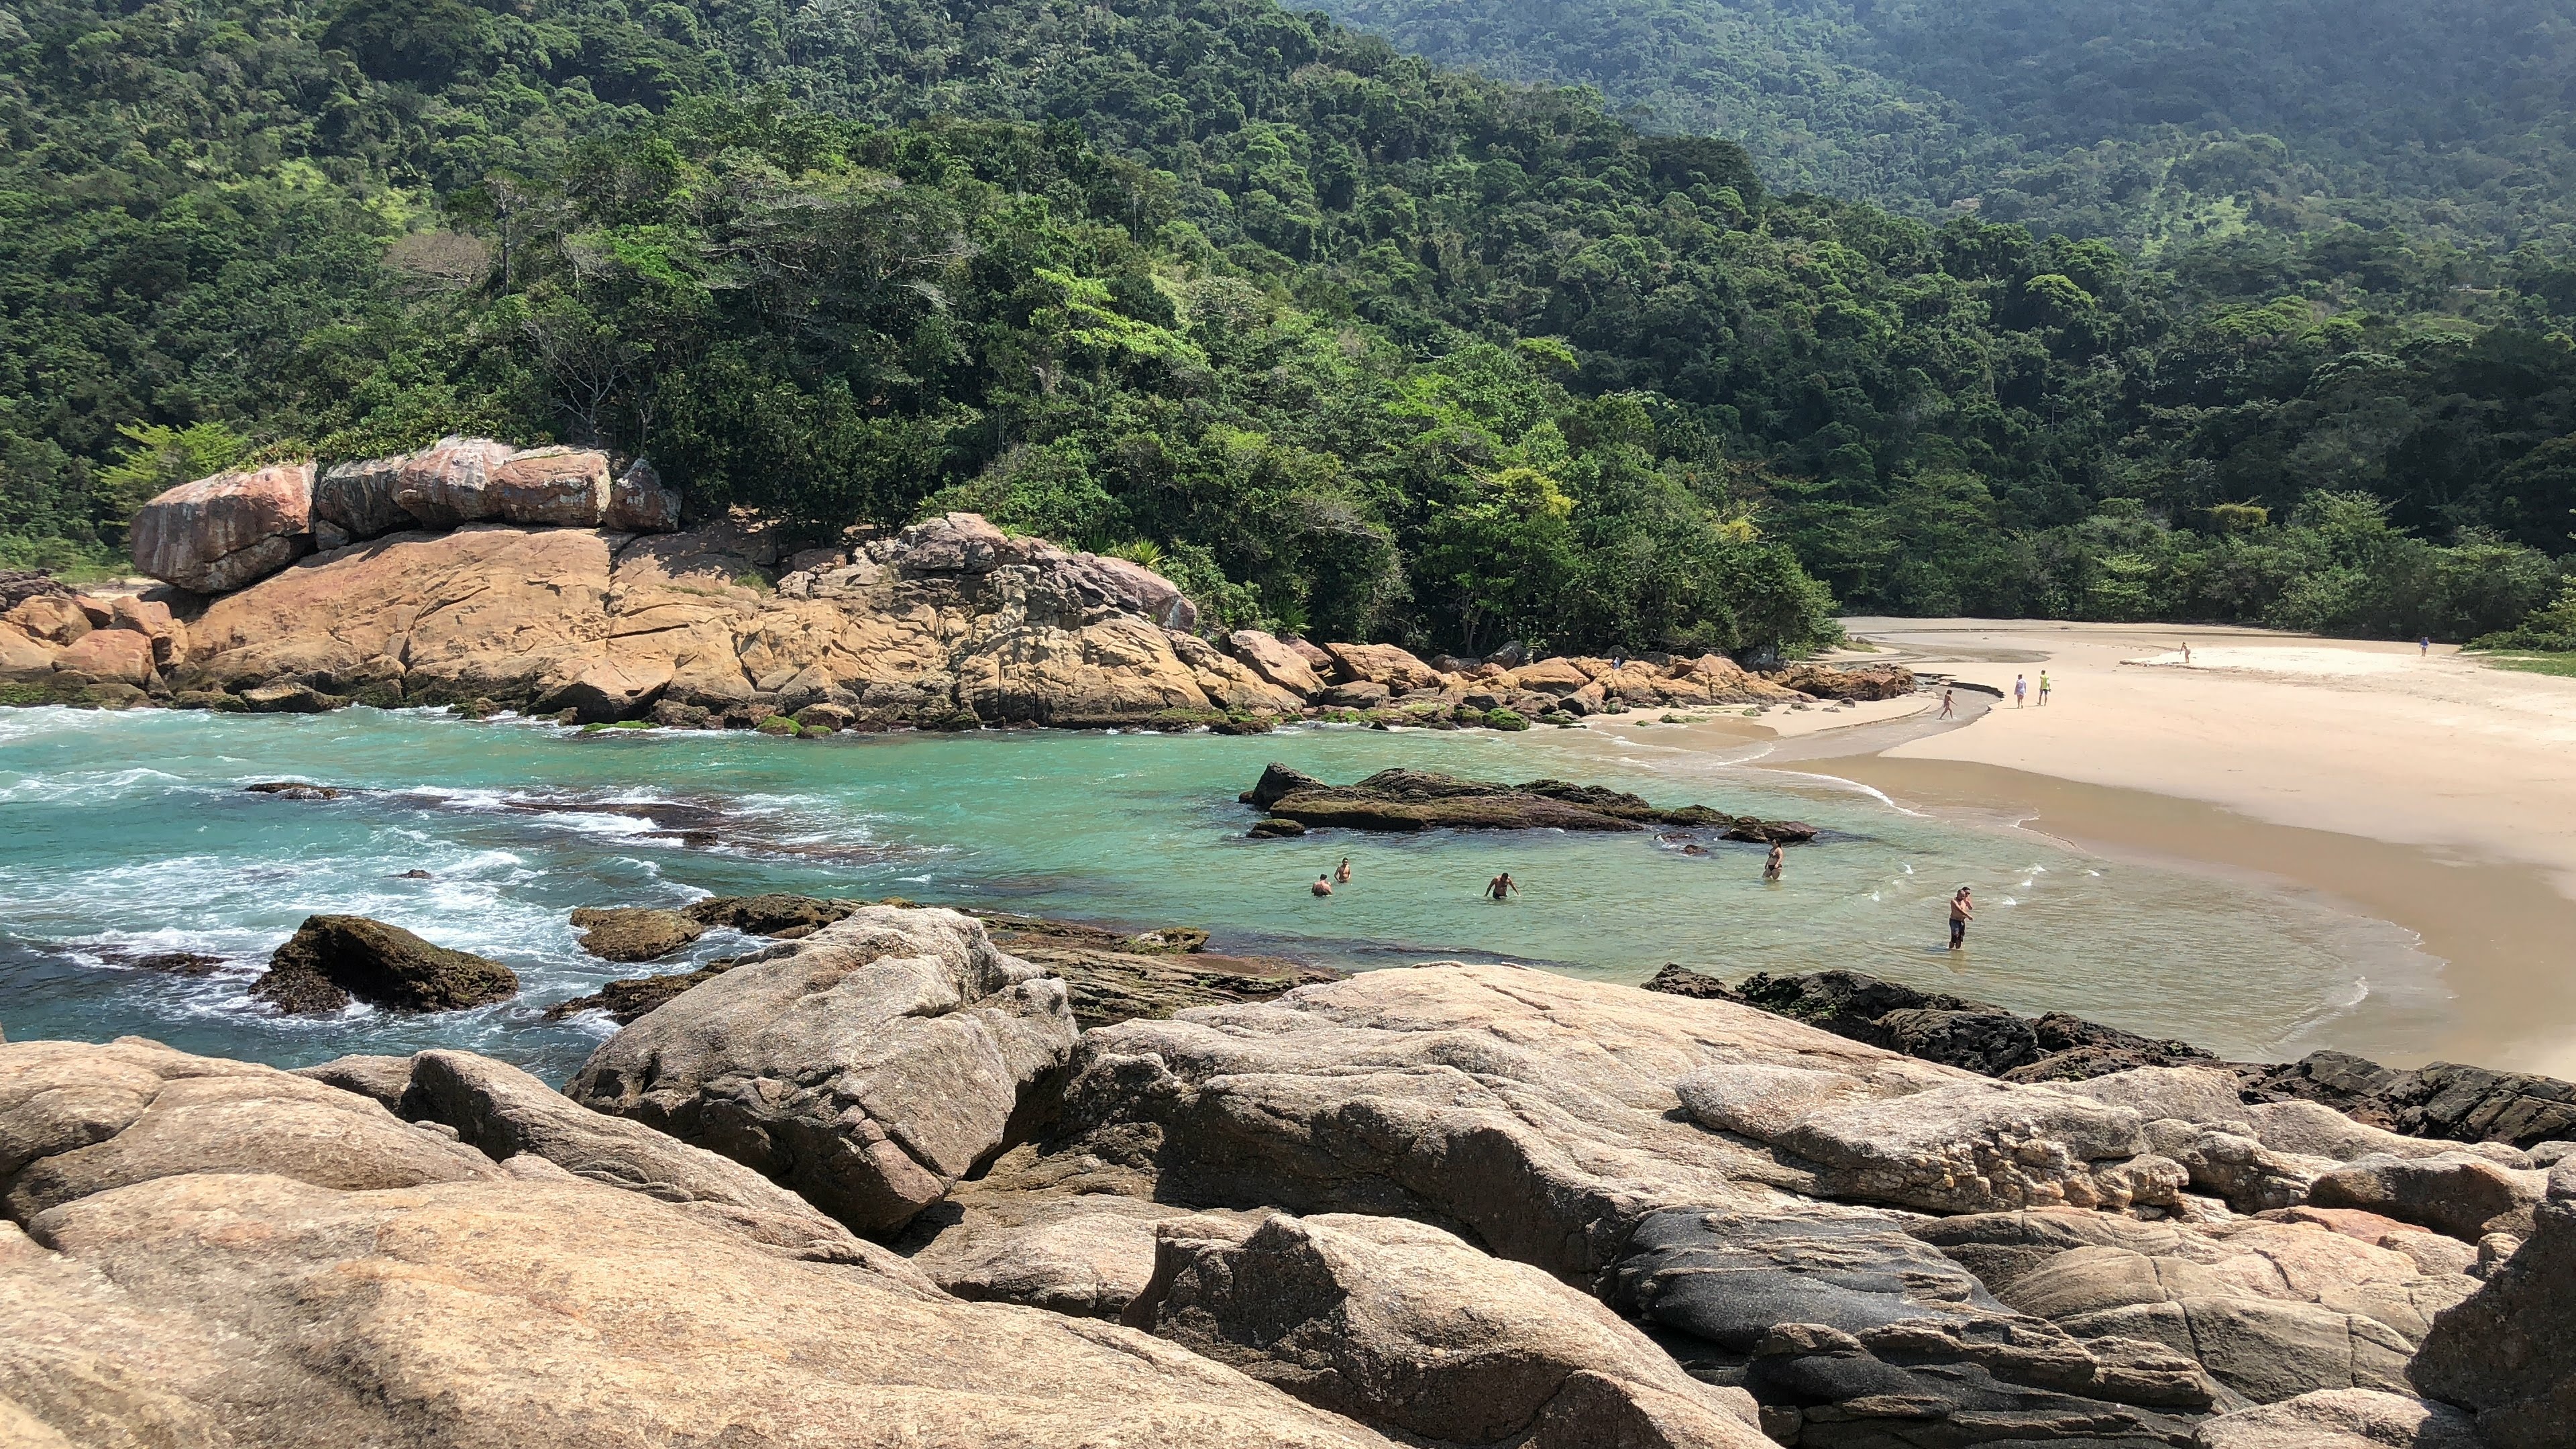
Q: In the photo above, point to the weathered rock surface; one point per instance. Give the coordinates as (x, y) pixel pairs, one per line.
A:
(1088, 1255)
(2342, 1419)
(936, 627)
(1112, 978)
(867, 1066)
(1275, 662)
(631, 933)
(331, 961)
(357, 498)
(1528, 1112)
(1407, 800)
(340, 1277)
(1406, 1328)
(223, 532)
(2508, 1353)
(2465, 1196)
(1979, 1147)
(2270, 1309)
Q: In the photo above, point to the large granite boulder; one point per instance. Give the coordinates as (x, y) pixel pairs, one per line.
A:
(503, 1112)
(1384, 665)
(220, 533)
(1979, 1147)
(1406, 1328)
(1529, 1112)
(1275, 662)
(867, 1066)
(331, 961)
(355, 500)
(1086, 1254)
(78, 1119)
(2457, 1193)
(2508, 1352)
(319, 1304)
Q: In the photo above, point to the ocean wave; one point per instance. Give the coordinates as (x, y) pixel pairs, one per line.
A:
(96, 786)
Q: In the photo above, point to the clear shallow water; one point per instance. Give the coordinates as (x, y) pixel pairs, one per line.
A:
(128, 834)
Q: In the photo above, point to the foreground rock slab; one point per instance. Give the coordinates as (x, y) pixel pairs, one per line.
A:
(1404, 1327)
(866, 1066)
(2509, 1351)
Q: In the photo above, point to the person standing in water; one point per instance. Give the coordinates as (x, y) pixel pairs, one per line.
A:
(2186, 654)
(1771, 867)
(1323, 885)
(2021, 689)
(1945, 704)
(2043, 687)
(1962, 911)
(1501, 887)
(1342, 872)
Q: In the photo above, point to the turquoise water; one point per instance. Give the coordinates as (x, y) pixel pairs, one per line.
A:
(127, 834)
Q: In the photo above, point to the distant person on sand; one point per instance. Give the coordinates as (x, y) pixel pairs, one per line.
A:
(1962, 911)
(2043, 686)
(1342, 872)
(2186, 654)
(2424, 646)
(1946, 704)
(1323, 885)
(1771, 867)
(1501, 887)
(2021, 690)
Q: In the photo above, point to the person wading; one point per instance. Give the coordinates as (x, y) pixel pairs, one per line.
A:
(1962, 911)
(1501, 887)
(1342, 872)
(1323, 885)
(1777, 859)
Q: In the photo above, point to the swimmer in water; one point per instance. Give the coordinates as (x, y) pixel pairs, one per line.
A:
(1323, 885)
(1501, 887)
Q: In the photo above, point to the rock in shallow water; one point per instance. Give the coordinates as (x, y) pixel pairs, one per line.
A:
(333, 960)
(620, 933)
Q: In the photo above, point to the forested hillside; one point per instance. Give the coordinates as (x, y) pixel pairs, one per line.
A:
(1348, 342)
(2148, 121)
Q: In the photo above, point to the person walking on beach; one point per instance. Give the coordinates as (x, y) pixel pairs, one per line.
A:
(1946, 703)
(2043, 687)
(1771, 867)
(2424, 646)
(2021, 689)
(1342, 872)
(1501, 887)
(1962, 911)
(2186, 654)
(1323, 885)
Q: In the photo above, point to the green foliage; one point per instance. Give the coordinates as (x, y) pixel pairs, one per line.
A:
(1360, 347)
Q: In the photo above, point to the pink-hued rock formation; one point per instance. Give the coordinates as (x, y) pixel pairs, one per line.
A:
(223, 532)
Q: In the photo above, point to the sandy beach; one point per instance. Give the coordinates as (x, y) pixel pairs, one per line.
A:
(2431, 791)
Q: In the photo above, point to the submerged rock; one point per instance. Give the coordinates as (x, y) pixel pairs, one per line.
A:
(1406, 800)
(333, 960)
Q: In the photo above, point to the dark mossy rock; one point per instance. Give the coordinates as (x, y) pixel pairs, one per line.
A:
(290, 699)
(332, 960)
(623, 933)
(1679, 980)
(783, 916)
(292, 790)
(214, 700)
(1275, 828)
(628, 1001)
(1425, 800)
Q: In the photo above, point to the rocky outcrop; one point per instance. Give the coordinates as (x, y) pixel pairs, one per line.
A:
(334, 1276)
(1275, 662)
(1407, 1329)
(222, 532)
(1408, 800)
(2508, 1353)
(2442, 1099)
(331, 961)
(626, 933)
(867, 1067)
(1940, 1027)
(1867, 681)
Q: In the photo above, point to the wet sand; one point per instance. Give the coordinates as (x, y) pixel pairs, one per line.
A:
(2432, 793)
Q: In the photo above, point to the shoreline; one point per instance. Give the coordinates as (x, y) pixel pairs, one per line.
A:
(2220, 772)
